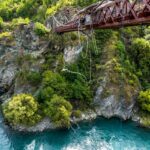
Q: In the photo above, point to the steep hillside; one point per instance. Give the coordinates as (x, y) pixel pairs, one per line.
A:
(49, 80)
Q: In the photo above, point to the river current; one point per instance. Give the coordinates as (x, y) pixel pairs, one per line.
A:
(100, 134)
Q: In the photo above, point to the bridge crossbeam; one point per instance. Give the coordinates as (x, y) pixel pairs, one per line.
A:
(110, 14)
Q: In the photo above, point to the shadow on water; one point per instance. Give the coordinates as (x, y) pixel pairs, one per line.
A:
(112, 134)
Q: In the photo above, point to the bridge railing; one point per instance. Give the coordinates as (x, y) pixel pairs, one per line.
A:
(110, 14)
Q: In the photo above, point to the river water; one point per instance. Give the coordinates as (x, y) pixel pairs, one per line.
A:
(101, 134)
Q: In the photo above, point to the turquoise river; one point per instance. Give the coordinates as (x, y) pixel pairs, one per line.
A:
(100, 134)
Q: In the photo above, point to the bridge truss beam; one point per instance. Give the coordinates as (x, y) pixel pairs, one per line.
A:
(110, 14)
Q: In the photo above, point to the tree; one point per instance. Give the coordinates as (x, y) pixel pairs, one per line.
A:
(22, 109)
(59, 110)
(55, 81)
(144, 100)
(141, 56)
(45, 94)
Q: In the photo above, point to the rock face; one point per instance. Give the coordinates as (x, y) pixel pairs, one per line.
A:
(115, 96)
(112, 97)
(41, 126)
(61, 17)
(72, 53)
(112, 107)
(24, 41)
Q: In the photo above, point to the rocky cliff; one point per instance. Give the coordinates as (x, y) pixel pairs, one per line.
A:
(23, 51)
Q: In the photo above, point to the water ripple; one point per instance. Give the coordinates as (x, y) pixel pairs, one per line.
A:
(101, 134)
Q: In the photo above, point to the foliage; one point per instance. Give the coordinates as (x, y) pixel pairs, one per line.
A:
(144, 100)
(26, 8)
(45, 94)
(40, 29)
(1, 22)
(60, 4)
(5, 35)
(82, 78)
(59, 110)
(55, 81)
(121, 50)
(6, 11)
(34, 78)
(84, 3)
(145, 119)
(147, 33)
(141, 56)
(80, 91)
(22, 109)
(19, 21)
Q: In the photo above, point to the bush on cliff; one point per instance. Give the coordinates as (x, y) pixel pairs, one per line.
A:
(59, 110)
(40, 29)
(141, 56)
(34, 78)
(22, 109)
(20, 21)
(55, 81)
(45, 94)
(1, 22)
(144, 100)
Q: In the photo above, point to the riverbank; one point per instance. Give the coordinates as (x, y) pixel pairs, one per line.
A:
(89, 116)
(110, 134)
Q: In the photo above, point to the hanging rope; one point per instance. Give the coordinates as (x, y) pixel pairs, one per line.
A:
(87, 48)
(73, 72)
(122, 92)
(65, 69)
(58, 22)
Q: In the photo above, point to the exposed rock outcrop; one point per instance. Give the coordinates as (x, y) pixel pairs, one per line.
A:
(115, 97)
(41, 126)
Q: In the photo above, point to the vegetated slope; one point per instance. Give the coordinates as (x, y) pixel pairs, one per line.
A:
(106, 71)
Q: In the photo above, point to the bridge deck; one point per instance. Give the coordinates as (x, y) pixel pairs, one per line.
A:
(110, 14)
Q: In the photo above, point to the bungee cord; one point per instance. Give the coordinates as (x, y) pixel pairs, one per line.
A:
(88, 50)
(54, 19)
(73, 72)
(65, 69)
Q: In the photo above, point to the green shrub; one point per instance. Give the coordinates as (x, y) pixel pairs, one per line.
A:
(55, 81)
(59, 110)
(74, 36)
(147, 33)
(145, 119)
(22, 109)
(141, 55)
(80, 91)
(34, 78)
(6, 12)
(5, 35)
(144, 100)
(45, 94)
(1, 22)
(121, 51)
(19, 21)
(40, 29)
(27, 8)
(131, 82)
(59, 4)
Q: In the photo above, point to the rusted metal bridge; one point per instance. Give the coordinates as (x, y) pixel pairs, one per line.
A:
(109, 14)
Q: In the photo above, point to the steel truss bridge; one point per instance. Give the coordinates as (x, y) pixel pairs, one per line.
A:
(109, 14)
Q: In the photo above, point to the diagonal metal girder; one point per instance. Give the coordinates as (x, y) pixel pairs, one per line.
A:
(110, 14)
